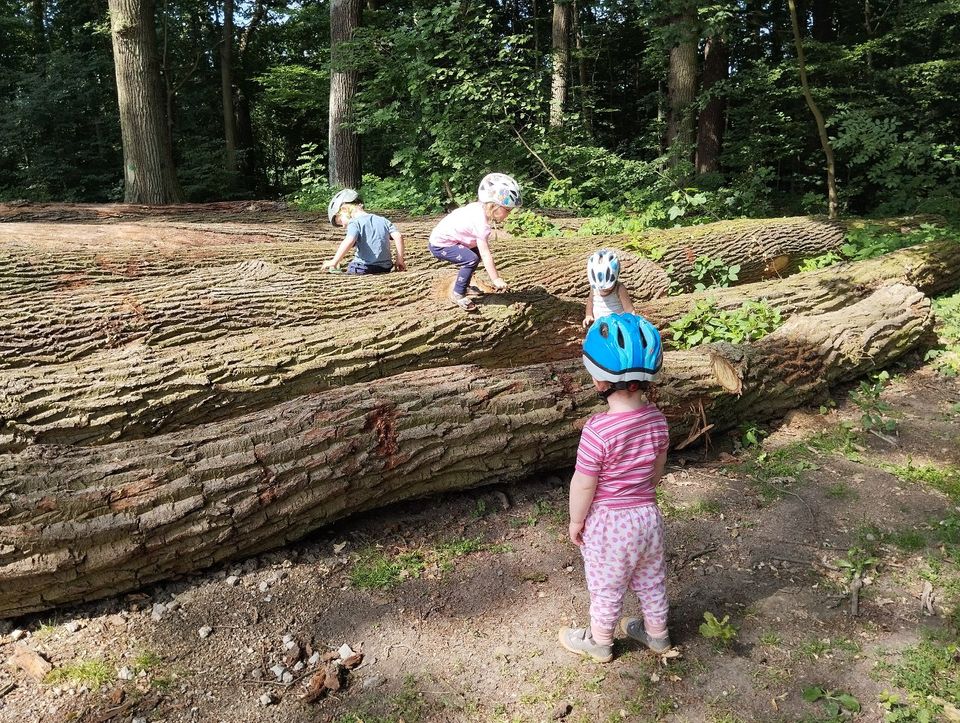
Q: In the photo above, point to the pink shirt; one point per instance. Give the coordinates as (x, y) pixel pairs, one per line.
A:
(619, 448)
(463, 226)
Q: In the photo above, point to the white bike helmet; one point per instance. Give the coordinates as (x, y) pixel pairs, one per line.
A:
(347, 195)
(603, 269)
(499, 188)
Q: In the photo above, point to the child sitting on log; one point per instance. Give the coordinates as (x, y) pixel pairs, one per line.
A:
(607, 294)
(614, 517)
(368, 233)
(462, 236)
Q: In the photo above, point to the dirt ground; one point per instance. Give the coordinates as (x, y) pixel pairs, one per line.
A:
(455, 602)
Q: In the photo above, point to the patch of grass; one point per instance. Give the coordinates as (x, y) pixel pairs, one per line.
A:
(542, 509)
(375, 570)
(702, 508)
(92, 673)
(928, 672)
(946, 479)
(408, 705)
(768, 471)
(479, 510)
(907, 539)
(814, 649)
(446, 553)
(840, 491)
(594, 684)
(770, 638)
(146, 660)
(840, 439)
(946, 358)
(46, 630)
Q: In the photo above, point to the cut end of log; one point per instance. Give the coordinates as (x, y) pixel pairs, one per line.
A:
(776, 265)
(726, 374)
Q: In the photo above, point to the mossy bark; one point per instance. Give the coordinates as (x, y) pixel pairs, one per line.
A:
(82, 523)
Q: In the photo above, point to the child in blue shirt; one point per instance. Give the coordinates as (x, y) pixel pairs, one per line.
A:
(368, 233)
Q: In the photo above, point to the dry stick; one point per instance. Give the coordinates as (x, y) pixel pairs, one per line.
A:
(534, 154)
(7, 688)
(855, 586)
(816, 563)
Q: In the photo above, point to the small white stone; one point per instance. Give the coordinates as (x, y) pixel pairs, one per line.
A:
(73, 626)
(266, 699)
(290, 645)
(17, 634)
(139, 720)
(264, 586)
(287, 638)
(314, 659)
(173, 605)
(299, 666)
(233, 581)
(158, 610)
(278, 670)
(287, 678)
(205, 631)
(344, 652)
(125, 673)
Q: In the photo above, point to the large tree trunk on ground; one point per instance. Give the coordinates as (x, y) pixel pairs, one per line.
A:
(148, 170)
(47, 257)
(84, 523)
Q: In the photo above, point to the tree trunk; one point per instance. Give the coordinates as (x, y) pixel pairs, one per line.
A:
(584, 85)
(344, 145)
(832, 202)
(711, 123)
(682, 84)
(226, 89)
(823, 30)
(220, 345)
(48, 257)
(561, 61)
(85, 523)
(149, 173)
(38, 13)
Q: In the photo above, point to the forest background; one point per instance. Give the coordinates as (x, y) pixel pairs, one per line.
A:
(659, 111)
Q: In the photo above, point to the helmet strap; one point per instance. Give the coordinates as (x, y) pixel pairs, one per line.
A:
(631, 386)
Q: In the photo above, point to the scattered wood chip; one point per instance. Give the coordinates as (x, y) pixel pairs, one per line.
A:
(31, 662)
(329, 655)
(293, 656)
(116, 696)
(353, 661)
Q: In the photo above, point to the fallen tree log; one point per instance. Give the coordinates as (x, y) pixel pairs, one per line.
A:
(83, 523)
(48, 257)
(209, 354)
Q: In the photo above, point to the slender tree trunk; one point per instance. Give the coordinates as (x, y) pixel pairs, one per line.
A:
(711, 122)
(832, 201)
(149, 172)
(344, 145)
(226, 88)
(84, 523)
(584, 89)
(682, 83)
(37, 13)
(561, 62)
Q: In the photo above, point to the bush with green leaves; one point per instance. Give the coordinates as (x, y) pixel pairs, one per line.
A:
(835, 702)
(705, 324)
(713, 273)
(946, 356)
(866, 240)
(722, 632)
(528, 224)
(873, 410)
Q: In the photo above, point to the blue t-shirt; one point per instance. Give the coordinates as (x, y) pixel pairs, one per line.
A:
(373, 239)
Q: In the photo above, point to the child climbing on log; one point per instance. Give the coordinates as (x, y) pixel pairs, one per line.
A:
(614, 517)
(462, 236)
(607, 294)
(368, 233)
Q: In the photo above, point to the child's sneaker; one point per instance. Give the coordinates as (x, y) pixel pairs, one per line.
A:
(633, 627)
(462, 301)
(580, 641)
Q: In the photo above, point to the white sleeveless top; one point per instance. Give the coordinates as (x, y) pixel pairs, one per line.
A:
(609, 304)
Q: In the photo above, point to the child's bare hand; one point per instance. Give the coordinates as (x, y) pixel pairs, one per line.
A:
(500, 285)
(329, 265)
(400, 265)
(587, 321)
(576, 533)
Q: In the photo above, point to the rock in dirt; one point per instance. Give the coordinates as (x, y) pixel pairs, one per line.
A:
(17, 634)
(561, 711)
(374, 681)
(125, 673)
(30, 662)
(157, 613)
(323, 682)
(353, 661)
(278, 670)
(233, 581)
(266, 699)
(73, 626)
(345, 651)
(314, 659)
(205, 631)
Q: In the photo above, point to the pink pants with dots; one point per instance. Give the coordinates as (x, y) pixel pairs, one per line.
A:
(624, 548)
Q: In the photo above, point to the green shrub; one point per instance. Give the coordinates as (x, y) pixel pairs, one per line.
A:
(528, 224)
(705, 324)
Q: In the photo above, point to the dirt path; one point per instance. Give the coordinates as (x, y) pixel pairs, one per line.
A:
(483, 580)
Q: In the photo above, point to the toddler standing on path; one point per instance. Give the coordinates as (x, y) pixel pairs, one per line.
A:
(614, 517)
(462, 236)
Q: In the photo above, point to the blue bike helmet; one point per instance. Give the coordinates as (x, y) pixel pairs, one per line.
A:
(622, 348)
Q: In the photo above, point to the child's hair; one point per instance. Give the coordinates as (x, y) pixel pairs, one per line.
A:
(488, 208)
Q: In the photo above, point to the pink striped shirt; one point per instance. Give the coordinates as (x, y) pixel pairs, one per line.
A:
(620, 448)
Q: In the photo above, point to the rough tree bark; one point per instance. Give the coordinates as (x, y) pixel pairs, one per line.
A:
(84, 523)
(38, 257)
(710, 124)
(226, 88)
(682, 82)
(149, 175)
(225, 349)
(560, 61)
(344, 145)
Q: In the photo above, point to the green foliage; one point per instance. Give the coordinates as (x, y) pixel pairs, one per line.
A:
(929, 674)
(713, 273)
(866, 240)
(836, 703)
(608, 224)
(751, 435)
(92, 673)
(721, 632)
(820, 262)
(873, 411)
(857, 562)
(705, 324)
(946, 478)
(528, 224)
(946, 356)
